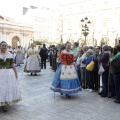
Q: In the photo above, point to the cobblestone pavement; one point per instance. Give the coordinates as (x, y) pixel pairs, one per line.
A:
(38, 102)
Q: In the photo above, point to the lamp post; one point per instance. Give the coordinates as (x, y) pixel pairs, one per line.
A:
(85, 28)
(93, 38)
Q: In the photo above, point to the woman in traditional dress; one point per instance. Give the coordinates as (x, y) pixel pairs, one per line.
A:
(33, 61)
(9, 90)
(66, 80)
(19, 57)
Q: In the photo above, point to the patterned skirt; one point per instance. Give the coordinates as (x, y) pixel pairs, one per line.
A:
(66, 80)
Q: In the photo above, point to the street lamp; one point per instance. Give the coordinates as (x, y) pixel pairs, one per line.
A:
(85, 28)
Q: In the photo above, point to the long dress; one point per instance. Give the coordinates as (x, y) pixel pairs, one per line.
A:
(66, 80)
(19, 57)
(32, 64)
(9, 90)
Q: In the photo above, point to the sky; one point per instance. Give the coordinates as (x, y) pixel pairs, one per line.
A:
(14, 8)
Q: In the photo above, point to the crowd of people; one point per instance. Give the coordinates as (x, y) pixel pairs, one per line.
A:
(94, 65)
(76, 68)
(18, 54)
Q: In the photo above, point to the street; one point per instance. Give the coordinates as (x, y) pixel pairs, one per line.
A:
(38, 102)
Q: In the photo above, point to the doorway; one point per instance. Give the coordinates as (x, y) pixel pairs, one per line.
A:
(15, 41)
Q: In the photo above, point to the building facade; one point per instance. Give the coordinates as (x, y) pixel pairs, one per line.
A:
(15, 33)
(48, 25)
(104, 16)
(62, 21)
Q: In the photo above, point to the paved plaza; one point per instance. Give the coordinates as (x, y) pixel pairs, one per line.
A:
(38, 102)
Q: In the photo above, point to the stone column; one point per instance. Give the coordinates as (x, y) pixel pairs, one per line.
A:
(0, 36)
(8, 40)
(10, 37)
(25, 41)
(21, 39)
(2, 33)
(4, 36)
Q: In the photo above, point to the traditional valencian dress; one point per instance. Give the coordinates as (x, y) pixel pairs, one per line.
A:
(9, 90)
(19, 57)
(66, 80)
(33, 61)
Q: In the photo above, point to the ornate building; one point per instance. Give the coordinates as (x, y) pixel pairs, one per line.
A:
(15, 33)
(104, 16)
(61, 20)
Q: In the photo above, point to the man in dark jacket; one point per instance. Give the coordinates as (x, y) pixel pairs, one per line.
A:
(95, 70)
(43, 54)
(104, 59)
